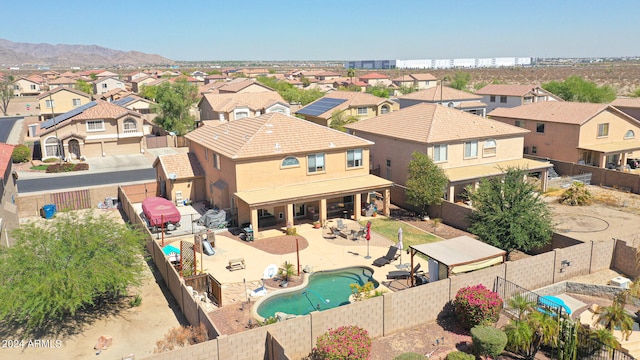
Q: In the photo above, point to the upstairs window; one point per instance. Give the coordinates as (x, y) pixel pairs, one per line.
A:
(470, 149)
(492, 98)
(354, 158)
(629, 135)
(384, 109)
(603, 130)
(540, 128)
(50, 104)
(362, 111)
(216, 161)
(503, 99)
(95, 125)
(520, 123)
(290, 161)
(129, 126)
(76, 102)
(440, 153)
(489, 148)
(315, 163)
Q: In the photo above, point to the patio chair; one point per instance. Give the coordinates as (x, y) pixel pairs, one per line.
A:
(403, 274)
(392, 255)
(359, 234)
(341, 225)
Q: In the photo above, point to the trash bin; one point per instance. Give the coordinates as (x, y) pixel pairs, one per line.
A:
(48, 211)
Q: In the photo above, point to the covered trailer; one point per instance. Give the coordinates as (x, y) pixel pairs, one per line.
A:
(213, 219)
(161, 213)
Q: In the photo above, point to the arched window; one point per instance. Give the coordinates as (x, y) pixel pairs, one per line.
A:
(384, 109)
(129, 126)
(290, 161)
(629, 135)
(489, 147)
(52, 147)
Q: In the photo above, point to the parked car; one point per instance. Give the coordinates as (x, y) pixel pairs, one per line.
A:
(160, 213)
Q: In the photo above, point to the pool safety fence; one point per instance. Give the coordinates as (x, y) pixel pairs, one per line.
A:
(508, 290)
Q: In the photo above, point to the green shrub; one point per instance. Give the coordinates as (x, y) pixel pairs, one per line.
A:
(576, 195)
(67, 167)
(346, 342)
(488, 340)
(409, 356)
(292, 231)
(136, 301)
(477, 305)
(21, 154)
(459, 355)
(51, 160)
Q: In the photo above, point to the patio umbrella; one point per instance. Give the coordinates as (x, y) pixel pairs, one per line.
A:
(400, 245)
(368, 237)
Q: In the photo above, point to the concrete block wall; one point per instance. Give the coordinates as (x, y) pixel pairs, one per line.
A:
(601, 255)
(601, 291)
(294, 335)
(624, 258)
(580, 258)
(138, 192)
(600, 176)
(486, 277)
(247, 345)
(365, 314)
(30, 204)
(532, 272)
(412, 307)
(204, 351)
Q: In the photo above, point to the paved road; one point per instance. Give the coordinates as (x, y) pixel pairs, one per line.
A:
(82, 181)
(6, 125)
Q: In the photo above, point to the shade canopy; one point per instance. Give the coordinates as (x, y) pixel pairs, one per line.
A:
(462, 254)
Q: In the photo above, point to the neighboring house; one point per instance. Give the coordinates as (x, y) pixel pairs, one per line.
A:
(252, 73)
(214, 77)
(96, 129)
(180, 177)
(138, 83)
(629, 106)
(106, 84)
(446, 96)
(114, 94)
(350, 103)
(135, 75)
(327, 75)
(504, 95)
(242, 85)
(231, 107)
(61, 100)
(9, 219)
(62, 81)
(467, 147)
(106, 73)
(135, 103)
(585, 133)
(375, 79)
(50, 75)
(416, 81)
(279, 170)
(26, 87)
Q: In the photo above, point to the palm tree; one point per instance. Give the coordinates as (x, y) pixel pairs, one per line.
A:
(351, 73)
(521, 305)
(615, 317)
(531, 329)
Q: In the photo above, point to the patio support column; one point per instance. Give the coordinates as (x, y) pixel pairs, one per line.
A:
(543, 179)
(603, 161)
(452, 193)
(254, 222)
(289, 215)
(323, 211)
(476, 185)
(357, 200)
(387, 202)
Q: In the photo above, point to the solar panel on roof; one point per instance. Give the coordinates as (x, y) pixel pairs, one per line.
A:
(69, 114)
(321, 106)
(123, 101)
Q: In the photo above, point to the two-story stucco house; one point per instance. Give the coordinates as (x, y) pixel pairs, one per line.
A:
(276, 169)
(629, 106)
(26, 87)
(98, 128)
(467, 147)
(508, 95)
(62, 81)
(593, 134)
(446, 96)
(416, 81)
(106, 84)
(233, 106)
(350, 103)
(61, 100)
(375, 79)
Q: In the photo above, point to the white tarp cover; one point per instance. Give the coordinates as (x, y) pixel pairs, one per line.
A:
(462, 254)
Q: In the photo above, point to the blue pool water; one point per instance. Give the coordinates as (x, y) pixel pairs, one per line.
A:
(554, 302)
(326, 290)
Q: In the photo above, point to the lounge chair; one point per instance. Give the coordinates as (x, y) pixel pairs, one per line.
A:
(391, 256)
(403, 274)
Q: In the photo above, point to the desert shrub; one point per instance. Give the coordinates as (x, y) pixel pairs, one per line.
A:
(488, 340)
(576, 195)
(477, 305)
(292, 231)
(459, 355)
(181, 336)
(81, 167)
(345, 342)
(409, 356)
(21, 153)
(67, 167)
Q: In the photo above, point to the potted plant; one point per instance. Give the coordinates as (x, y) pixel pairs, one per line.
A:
(316, 224)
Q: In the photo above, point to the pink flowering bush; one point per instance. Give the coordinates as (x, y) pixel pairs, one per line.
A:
(477, 305)
(345, 342)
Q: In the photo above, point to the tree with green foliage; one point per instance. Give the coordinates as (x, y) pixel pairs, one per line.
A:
(426, 182)
(93, 76)
(406, 89)
(460, 80)
(575, 88)
(84, 86)
(173, 105)
(351, 73)
(69, 264)
(615, 316)
(6, 93)
(148, 92)
(378, 90)
(531, 329)
(509, 212)
(339, 119)
(290, 93)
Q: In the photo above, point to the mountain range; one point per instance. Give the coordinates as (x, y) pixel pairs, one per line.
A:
(17, 54)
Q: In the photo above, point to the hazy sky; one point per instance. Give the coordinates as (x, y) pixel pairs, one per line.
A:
(332, 29)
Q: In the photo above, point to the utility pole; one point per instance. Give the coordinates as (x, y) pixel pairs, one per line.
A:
(55, 127)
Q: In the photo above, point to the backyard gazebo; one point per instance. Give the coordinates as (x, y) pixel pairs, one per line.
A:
(455, 256)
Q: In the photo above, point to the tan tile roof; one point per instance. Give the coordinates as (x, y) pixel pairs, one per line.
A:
(272, 134)
(554, 111)
(471, 104)
(327, 73)
(104, 110)
(374, 75)
(627, 102)
(423, 77)
(59, 89)
(37, 78)
(435, 94)
(354, 98)
(235, 86)
(506, 89)
(62, 80)
(185, 166)
(252, 100)
(5, 156)
(434, 123)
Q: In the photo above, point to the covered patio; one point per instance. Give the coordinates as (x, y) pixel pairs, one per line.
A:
(609, 155)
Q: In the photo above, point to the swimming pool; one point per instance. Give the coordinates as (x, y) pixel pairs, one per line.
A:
(325, 290)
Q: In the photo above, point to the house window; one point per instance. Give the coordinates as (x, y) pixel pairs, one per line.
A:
(520, 123)
(362, 111)
(440, 153)
(33, 87)
(104, 86)
(384, 109)
(315, 163)
(388, 170)
(540, 128)
(489, 148)
(76, 102)
(129, 126)
(216, 161)
(354, 158)
(95, 125)
(206, 154)
(503, 99)
(290, 161)
(52, 147)
(492, 98)
(525, 150)
(242, 114)
(470, 149)
(528, 99)
(603, 130)
(534, 149)
(629, 135)
(50, 104)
